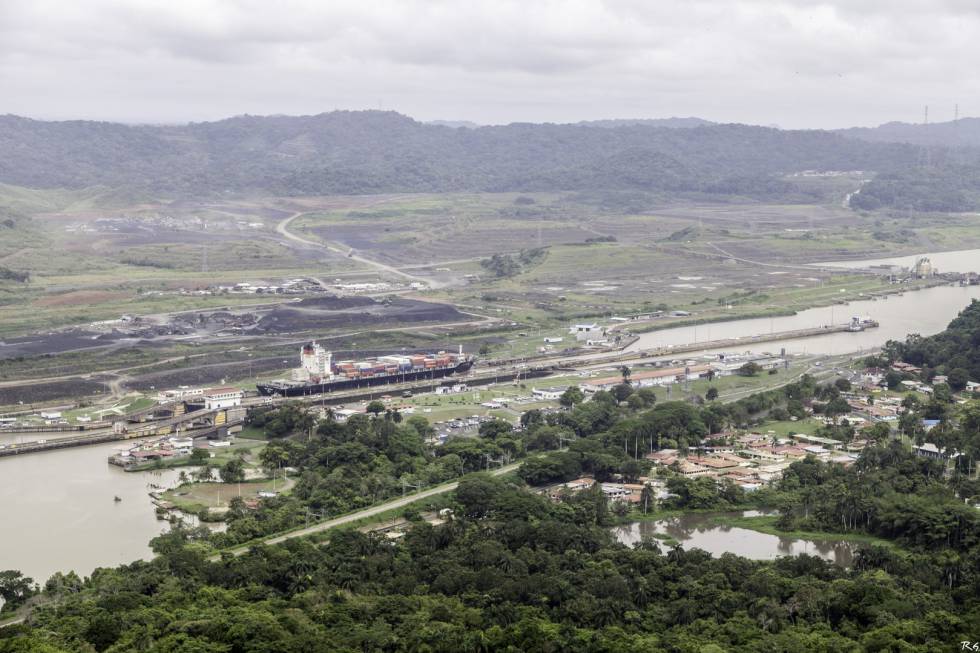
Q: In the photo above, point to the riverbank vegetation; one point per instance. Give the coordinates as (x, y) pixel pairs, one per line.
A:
(515, 570)
(512, 571)
(954, 352)
(341, 467)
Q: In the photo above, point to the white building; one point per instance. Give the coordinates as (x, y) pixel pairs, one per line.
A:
(732, 364)
(218, 398)
(930, 450)
(615, 492)
(549, 394)
(181, 393)
(590, 331)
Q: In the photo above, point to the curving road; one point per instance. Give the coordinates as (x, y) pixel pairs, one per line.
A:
(283, 230)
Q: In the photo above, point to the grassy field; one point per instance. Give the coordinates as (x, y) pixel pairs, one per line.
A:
(807, 426)
(194, 497)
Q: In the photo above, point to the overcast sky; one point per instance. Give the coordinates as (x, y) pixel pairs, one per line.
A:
(793, 63)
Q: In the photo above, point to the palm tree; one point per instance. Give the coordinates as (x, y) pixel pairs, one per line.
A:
(646, 497)
(627, 373)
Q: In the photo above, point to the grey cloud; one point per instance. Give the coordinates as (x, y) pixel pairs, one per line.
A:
(793, 62)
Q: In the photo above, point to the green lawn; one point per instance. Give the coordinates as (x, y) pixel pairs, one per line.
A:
(806, 426)
(194, 497)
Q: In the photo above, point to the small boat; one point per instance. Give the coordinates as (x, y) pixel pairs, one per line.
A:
(117, 499)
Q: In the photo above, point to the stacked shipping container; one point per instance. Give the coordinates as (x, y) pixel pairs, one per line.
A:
(393, 365)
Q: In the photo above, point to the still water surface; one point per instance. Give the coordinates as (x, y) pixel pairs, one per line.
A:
(697, 531)
(923, 311)
(964, 260)
(58, 511)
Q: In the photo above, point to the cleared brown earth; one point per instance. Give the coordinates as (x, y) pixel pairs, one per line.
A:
(81, 297)
(329, 313)
(209, 374)
(41, 392)
(53, 343)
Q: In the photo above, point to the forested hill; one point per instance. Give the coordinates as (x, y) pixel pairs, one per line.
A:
(945, 187)
(958, 133)
(954, 352)
(374, 152)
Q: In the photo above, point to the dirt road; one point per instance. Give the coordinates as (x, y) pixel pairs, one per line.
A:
(283, 230)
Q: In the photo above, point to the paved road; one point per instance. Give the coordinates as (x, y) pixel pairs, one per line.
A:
(400, 502)
(13, 621)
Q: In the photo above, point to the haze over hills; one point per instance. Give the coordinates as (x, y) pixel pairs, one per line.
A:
(673, 122)
(375, 152)
(369, 152)
(964, 132)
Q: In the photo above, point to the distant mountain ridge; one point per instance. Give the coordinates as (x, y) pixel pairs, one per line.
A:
(673, 123)
(670, 123)
(362, 152)
(455, 124)
(964, 132)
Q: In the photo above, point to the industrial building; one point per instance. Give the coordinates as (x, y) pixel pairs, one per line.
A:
(218, 398)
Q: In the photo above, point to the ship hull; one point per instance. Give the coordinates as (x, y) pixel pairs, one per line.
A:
(305, 390)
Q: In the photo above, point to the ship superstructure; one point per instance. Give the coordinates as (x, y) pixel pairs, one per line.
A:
(314, 364)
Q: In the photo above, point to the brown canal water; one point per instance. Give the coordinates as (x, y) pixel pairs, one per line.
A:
(698, 531)
(59, 512)
(924, 312)
(963, 261)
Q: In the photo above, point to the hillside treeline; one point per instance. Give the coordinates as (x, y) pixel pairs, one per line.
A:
(377, 152)
(954, 352)
(948, 188)
(515, 572)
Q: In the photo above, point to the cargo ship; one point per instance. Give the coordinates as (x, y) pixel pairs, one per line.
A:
(318, 373)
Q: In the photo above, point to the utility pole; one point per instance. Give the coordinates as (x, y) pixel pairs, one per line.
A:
(416, 486)
(204, 253)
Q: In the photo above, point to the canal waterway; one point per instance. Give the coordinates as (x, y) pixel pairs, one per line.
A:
(924, 312)
(698, 530)
(59, 512)
(963, 261)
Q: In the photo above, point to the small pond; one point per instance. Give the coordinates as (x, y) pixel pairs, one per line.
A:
(700, 531)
